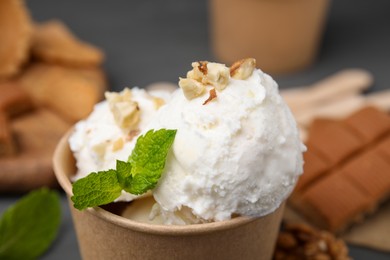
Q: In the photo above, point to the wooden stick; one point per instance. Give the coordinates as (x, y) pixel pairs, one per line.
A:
(342, 84)
(161, 86)
(380, 99)
(335, 110)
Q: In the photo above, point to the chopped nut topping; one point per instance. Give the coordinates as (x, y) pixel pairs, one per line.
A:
(158, 102)
(100, 148)
(217, 75)
(204, 73)
(213, 94)
(242, 69)
(191, 88)
(132, 134)
(117, 97)
(125, 110)
(202, 67)
(300, 241)
(198, 71)
(286, 240)
(117, 145)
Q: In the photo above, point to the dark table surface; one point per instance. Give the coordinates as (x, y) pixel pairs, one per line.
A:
(149, 40)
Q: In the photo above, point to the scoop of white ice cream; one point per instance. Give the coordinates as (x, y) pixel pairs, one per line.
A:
(101, 139)
(238, 154)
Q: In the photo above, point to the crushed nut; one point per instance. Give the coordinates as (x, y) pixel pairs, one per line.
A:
(127, 115)
(117, 97)
(191, 88)
(322, 246)
(132, 134)
(300, 241)
(117, 145)
(213, 94)
(125, 110)
(322, 256)
(310, 248)
(158, 102)
(199, 70)
(286, 240)
(204, 73)
(242, 69)
(100, 148)
(217, 75)
(202, 67)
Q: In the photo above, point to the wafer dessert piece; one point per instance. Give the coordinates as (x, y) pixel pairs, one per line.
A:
(36, 134)
(334, 202)
(333, 141)
(347, 169)
(384, 147)
(371, 173)
(15, 31)
(315, 166)
(53, 42)
(69, 92)
(13, 99)
(368, 123)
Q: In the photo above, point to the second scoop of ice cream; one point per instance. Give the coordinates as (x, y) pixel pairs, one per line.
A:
(239, 153)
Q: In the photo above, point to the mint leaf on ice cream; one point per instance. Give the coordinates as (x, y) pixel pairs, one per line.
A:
(140, 174)
(96, 189)
(28, 228)
(124, 173)
(148, 159)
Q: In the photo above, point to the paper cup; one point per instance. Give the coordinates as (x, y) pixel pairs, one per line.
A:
(104, 235)
(283, 35)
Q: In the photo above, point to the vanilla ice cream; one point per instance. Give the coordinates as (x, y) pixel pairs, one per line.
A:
(105, 136)
(237, 149)
(240, 153)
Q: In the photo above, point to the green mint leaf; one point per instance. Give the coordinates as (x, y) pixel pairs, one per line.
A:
(28, 227)
(124, 173)
(96, 189)
(140, 174)
(148, 159)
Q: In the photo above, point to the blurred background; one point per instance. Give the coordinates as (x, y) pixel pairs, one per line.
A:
(149, 41)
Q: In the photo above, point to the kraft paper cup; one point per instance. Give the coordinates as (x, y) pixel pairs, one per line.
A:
(283, 35)
(104, 235)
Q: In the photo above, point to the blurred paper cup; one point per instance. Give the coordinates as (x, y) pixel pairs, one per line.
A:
(283, 35)
(104, 235)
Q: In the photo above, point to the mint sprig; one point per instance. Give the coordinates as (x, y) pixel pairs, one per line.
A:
(140, 174)
(96, 189)
(28, 227)
(146, 167)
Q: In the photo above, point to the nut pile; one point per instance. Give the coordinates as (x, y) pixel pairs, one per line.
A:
(300, 241)
(216, 75)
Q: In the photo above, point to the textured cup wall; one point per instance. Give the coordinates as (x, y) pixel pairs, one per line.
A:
(104, 235)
